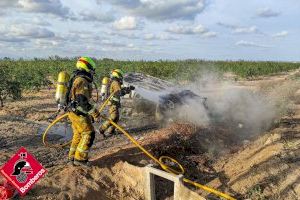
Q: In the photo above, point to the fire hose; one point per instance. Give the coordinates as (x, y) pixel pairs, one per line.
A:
(159, 161)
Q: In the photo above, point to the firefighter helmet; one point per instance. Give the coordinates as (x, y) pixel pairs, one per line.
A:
(86, 64)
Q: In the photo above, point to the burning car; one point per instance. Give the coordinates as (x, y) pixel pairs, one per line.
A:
(159, 97)
(168, 104)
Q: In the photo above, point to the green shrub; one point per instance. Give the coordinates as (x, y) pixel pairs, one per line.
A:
(35, 74)
(9, 88)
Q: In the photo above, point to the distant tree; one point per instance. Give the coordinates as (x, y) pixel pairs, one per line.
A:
(6, 58)
(107, 60)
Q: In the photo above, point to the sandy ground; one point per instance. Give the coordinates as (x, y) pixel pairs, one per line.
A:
(261, 167)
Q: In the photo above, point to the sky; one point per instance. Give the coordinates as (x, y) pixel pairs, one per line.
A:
(151, 29)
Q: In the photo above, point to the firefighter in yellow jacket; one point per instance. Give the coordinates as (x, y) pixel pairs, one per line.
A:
(115, 86)
(82, 111)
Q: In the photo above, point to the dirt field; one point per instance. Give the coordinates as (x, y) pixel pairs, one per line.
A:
(262, 166)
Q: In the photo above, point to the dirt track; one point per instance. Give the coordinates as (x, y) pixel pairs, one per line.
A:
(261, 167)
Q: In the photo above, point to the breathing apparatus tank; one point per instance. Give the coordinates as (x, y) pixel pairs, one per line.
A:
(104, 88)
(62, 88)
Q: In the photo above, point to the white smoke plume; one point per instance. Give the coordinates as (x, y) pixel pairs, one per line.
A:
(243, 109)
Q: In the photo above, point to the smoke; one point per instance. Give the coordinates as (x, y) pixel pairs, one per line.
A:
(242, 109)
(151, 95)
(194, 112)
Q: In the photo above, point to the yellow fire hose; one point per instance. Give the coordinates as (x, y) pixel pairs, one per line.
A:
(167, 168)
(158, 161)
(49, 127)
(62, 117)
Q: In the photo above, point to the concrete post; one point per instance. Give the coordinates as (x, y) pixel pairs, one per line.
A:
(150, 184)
(150, 172)
(177, 185)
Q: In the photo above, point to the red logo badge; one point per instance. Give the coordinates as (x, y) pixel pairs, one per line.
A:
(23, 171)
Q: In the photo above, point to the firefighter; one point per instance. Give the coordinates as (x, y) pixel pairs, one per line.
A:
(83, 112)
(114, 86)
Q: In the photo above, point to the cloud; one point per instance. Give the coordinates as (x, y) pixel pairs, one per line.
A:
(209, 34)
(53, 7)
(125, 23)
(92, 16)
(8, 3)
(163, 9)
(24, 33)
(111, 43)
(250, 44)
(129, 35)
(250, 29)
(7, 35)
(191, 30)
(13, 39)
(40, 22)
(46, 44)
(179, 29)
(161, 36)
(281, 34)
(267, 12)
(2, 12)
(230, 26)
(29, 22)
(241, 29)
(116, 46)
(31, 32)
